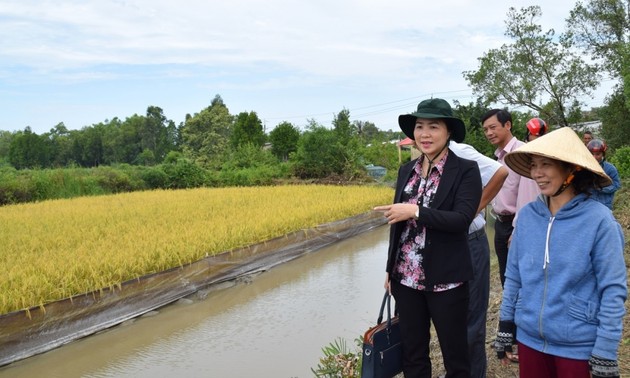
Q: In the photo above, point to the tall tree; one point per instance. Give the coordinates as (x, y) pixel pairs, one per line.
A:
(366, 130)
(602, 28)
(5, 144)
(284, 139)
(534, 70)
(344, 129)
(248, 129)
(205, 136)
(28, 150)
(60, 145)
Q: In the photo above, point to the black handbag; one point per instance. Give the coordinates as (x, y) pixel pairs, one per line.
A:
(382, 351)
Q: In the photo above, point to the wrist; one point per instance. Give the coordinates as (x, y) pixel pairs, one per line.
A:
(416, 215)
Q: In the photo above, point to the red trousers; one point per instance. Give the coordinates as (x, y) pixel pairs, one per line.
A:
(535, 364)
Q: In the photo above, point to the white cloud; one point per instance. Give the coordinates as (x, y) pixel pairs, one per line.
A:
(315, 56)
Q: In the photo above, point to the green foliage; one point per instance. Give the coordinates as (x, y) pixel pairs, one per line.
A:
(384, 154)
(535, 66)
(264, 175)
(367, 131)
(284, 139)
(339, 361)
(205, 136)
(615, 117)
(342, 127)
(621, 160)
(248, 156)
(319, 154)
(247, 129)
(184, 173)
(155, 178)
(28, 150)
(602, 27)
(113, 180)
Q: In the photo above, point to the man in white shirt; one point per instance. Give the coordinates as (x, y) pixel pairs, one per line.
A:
(493, 174)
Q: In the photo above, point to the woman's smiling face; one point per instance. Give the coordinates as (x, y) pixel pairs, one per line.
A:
(430, 135)
(548, 173)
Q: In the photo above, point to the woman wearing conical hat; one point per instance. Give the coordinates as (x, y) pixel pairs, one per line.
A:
(565, 282)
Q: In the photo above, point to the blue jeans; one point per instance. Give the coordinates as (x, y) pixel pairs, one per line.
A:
(479, 289)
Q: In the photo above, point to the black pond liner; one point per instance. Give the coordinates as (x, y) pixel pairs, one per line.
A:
(27, 333)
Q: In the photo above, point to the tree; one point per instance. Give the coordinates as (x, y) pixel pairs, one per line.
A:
(205, 135)
(28, 150)
(367, 130)
(318, 153)
(615, 119)
(60, 145)
(248, 129)
(321, 153)
(154, 134)
(6, 137)
(284, 139)
(471, 115)
(534, 70)
(602, 28)
(342, 126)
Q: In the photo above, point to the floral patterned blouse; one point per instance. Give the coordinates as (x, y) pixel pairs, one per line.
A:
(409, 270)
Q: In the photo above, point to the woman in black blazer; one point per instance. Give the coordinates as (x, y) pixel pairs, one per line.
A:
(428, 263)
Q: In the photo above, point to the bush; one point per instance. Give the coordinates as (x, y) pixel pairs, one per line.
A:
(112, 180)
(320, 155)
(15, 187)
(184, 174)
(260, 176)
(155, 178)
(621, 160)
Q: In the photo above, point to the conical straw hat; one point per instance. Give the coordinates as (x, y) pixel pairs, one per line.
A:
(561, 144)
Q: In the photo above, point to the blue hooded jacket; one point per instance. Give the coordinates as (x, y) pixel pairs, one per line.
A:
(606, 194)
(565, 282)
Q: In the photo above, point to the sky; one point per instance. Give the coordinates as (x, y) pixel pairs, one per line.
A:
(84, 62)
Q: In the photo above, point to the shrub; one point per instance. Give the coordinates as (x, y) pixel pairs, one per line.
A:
(621, 160)
(155, 178)
(112, 180)
(184, 173)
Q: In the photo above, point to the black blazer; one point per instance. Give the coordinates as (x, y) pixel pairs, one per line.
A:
(454, 206)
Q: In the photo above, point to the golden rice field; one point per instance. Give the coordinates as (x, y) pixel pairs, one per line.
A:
(56, 249)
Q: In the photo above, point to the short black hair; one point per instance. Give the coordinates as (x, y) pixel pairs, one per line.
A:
(502, 115)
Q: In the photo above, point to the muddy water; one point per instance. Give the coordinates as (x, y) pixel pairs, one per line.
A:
(274, 326)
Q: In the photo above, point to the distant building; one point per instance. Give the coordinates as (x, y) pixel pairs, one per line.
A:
(593, 126)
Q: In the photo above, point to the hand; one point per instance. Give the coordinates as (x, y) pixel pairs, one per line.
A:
(387, 285)
(398, 212)
(504, 341)
(601, 367)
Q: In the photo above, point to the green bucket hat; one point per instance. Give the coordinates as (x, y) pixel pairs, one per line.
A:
(432, 109)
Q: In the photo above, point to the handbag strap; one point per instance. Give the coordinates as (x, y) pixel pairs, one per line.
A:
(386, 300)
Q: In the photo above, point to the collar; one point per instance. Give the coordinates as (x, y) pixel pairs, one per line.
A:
(511, 145)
